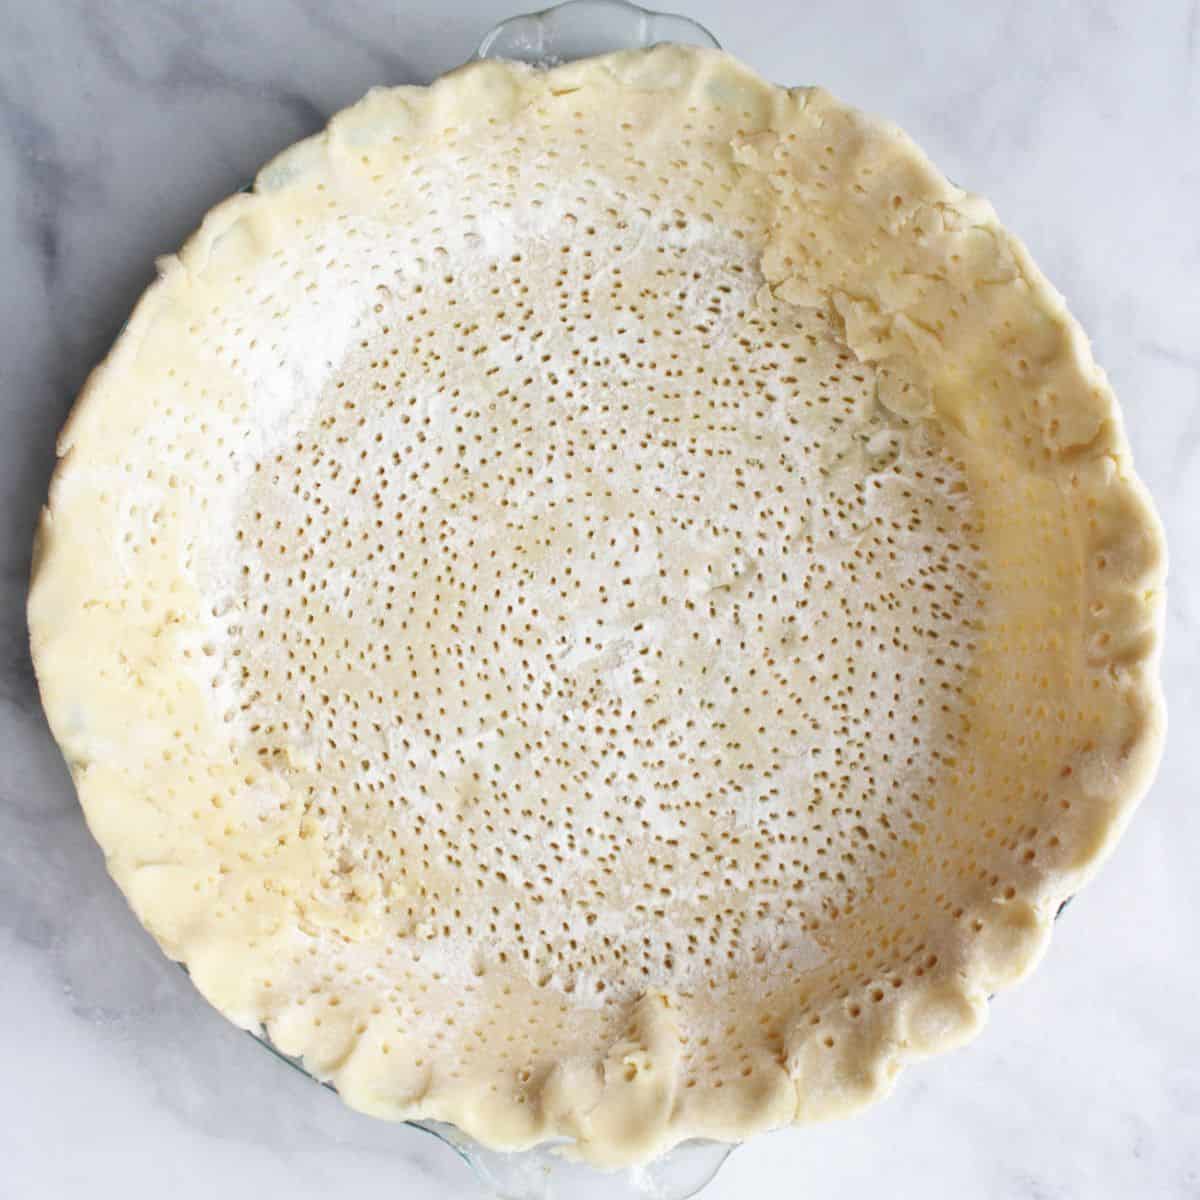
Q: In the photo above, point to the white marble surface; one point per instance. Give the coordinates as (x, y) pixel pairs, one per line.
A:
(122, 121)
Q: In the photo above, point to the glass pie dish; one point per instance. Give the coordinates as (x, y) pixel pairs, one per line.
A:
(892, 398)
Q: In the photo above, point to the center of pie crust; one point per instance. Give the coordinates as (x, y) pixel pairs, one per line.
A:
(608, 632)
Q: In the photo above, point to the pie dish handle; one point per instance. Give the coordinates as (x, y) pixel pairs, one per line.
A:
(543, 1173)
(582, 28)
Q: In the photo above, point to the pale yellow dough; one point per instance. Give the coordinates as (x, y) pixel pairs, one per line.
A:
(609, 604)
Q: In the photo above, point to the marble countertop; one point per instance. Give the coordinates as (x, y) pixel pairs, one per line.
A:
(122, 122)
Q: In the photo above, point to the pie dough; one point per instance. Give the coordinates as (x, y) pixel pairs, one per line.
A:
(608, 603)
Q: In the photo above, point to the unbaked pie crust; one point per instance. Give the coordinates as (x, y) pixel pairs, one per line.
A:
(608, 603)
